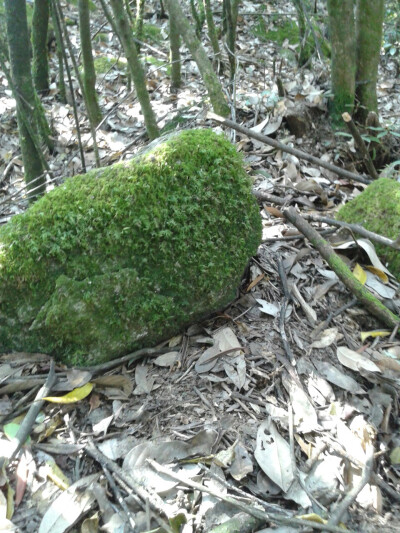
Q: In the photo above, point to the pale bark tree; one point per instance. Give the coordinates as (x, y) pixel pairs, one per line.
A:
(208, 75)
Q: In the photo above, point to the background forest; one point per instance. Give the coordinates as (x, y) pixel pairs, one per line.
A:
(276, 411)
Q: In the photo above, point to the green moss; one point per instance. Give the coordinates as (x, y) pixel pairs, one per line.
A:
(378, 210)
(103, 64)
(127, 255)
(288, 29)
(101, 38)
(152, 33)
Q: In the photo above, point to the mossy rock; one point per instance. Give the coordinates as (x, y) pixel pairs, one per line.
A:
(126, 256)
(378, 209)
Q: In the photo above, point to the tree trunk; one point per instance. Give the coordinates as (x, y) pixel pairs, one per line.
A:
(139, 22)
(126, 37)
(231, 13)
(369, 25)
(343, 62)
(89, 74)
(175, 55)
(40, 64)
(61, 82)
(208, 75)
(212, 32)
(18, 43)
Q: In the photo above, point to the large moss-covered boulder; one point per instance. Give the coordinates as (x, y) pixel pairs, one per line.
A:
(126, 256)
(377, 208)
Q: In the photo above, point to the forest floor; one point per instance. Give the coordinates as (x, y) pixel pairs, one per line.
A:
(300, 418)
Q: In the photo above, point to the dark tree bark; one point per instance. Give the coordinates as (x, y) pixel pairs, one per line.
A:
(40, 63)
(18, 43)
(59, 42)
(175, 55)
(89, 74)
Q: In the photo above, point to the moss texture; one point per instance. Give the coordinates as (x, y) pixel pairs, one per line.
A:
(378, 210)
(125, 256)
(103, 64)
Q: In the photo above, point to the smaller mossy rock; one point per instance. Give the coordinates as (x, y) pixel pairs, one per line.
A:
(377, 208)
(126, 256)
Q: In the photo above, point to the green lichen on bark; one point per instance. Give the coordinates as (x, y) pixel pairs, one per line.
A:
(378, 210)
(125, 256)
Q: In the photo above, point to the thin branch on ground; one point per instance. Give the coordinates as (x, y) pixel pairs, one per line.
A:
(370, 302)
(293, 151)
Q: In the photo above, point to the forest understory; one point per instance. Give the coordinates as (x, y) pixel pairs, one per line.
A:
(281, 408)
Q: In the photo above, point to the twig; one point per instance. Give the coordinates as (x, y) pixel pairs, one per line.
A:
(361, 145)
(119, 497)
(363, 295)
(273, 507)
(155, 501)
(331, 316)
(249, 509)
(292, 151)
(355, 491)
(394, 495)
(56, 14)
(27, 423)
(282, 316)
(356, 228)
(134, 356)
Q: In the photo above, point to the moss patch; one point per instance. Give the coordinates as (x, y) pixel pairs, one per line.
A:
(126, 256)
(288, 29)
(103, 64)
(152, 33)
(378, 210)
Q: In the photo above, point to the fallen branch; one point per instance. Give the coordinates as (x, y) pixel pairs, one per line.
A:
(131, 480)
(355, 491)
(245, 507)
(360, 145)
(293, 151)
(26, 425)
(356, 228)
(363, 295)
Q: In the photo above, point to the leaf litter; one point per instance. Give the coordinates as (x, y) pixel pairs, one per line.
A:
(219, 421)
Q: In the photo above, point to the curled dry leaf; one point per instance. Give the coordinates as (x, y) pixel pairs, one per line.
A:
(355, 361)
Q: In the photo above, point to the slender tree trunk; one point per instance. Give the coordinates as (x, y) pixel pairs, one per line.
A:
(343, 62)
(210, 79)
(18, 43)
(369, 26)
(231, 12)
(89, 74)
(212, 32)
(175, 55)
(126, 37)
(61, 82)
(40, 64)
(301, 21)
(198, 16)
(139, 22)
